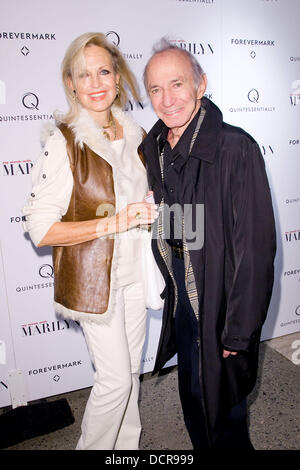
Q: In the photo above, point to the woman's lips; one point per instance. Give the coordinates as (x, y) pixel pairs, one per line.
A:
(97, 96)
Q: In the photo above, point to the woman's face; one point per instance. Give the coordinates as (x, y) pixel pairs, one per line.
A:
(95, 85)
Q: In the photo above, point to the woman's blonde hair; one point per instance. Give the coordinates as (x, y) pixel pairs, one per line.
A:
(74, 61)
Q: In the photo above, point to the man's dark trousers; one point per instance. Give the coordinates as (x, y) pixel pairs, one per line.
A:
(235, 434)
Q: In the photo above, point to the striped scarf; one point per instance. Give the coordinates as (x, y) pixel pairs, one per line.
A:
(165, 249)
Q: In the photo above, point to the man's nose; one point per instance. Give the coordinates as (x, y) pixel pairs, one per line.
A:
(167, 98)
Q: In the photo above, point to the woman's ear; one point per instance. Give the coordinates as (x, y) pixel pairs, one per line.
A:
(70, 84)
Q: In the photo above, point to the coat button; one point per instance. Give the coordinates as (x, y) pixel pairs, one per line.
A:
(32, 195)
(46, 153)
(44, 176)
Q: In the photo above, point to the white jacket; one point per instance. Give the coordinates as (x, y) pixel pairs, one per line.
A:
(52, 184)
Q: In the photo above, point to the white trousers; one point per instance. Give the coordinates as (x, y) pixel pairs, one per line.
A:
(111, 419)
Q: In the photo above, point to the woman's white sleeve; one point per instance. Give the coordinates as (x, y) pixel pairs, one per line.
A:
(52, 184)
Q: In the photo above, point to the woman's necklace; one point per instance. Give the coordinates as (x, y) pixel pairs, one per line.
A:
(110, 123)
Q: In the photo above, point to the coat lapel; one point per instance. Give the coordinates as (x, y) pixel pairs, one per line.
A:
(207, 140)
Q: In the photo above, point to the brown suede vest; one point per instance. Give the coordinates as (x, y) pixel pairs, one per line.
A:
(82, 272)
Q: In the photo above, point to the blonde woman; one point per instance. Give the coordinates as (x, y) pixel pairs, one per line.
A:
(87, 200)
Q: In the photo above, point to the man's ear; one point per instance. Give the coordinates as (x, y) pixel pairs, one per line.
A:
(202, 86)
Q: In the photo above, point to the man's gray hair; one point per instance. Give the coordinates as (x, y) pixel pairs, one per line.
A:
(164, 45)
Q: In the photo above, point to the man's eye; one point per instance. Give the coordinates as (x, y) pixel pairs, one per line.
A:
(177, 84)
(154, 91)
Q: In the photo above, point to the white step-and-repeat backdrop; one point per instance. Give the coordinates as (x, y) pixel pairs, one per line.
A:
(250, 51)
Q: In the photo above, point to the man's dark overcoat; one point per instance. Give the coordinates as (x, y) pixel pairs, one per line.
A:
(234, 269)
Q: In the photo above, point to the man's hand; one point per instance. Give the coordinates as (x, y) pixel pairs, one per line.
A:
(228, 353)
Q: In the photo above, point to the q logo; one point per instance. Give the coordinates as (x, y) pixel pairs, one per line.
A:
(30, 101)
(113, 37)
(253, 95)
(46, 271)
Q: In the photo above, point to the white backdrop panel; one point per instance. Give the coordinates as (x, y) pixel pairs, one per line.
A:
(250, 52)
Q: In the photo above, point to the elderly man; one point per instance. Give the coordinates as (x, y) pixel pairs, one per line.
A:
(214, 244)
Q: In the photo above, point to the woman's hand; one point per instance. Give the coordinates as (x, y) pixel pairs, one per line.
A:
(72, 233)
(150, 197)
(133, 215)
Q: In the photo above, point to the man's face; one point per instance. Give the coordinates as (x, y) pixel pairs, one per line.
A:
(171, 87)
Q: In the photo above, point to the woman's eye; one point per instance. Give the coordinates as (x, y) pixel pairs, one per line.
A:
(104, 72)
